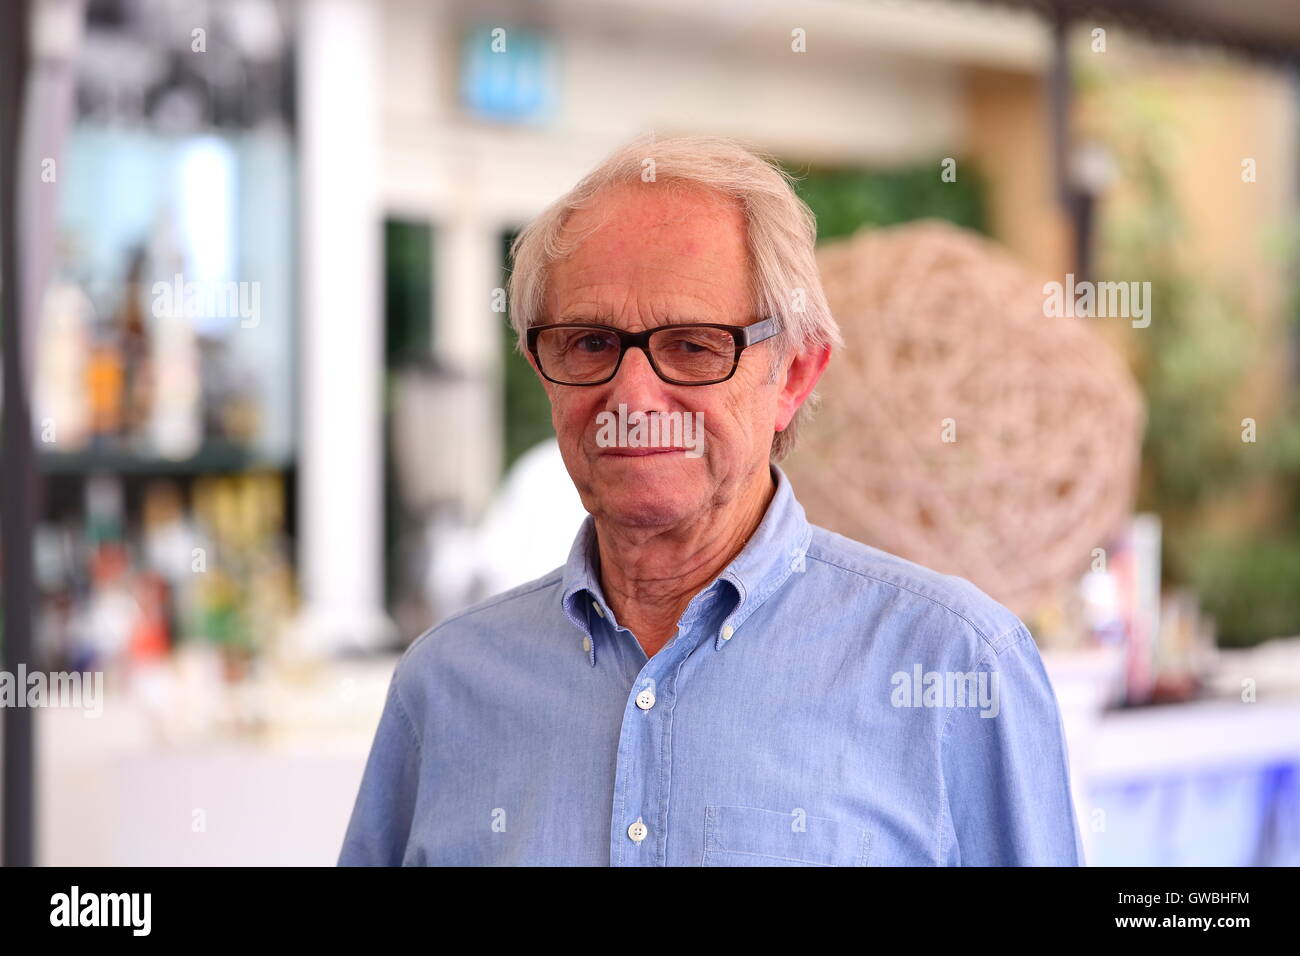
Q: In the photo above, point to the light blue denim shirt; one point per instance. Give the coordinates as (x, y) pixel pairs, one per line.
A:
(823, 703)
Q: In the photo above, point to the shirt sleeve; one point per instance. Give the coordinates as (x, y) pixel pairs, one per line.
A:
(1006, 771)
(381, 818)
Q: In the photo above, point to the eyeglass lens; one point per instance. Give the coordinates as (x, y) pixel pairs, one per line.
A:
(686, 353)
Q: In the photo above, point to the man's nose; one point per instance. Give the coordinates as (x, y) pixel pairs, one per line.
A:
(636, 384)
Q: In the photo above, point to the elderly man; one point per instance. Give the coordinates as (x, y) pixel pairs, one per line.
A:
(709, 679)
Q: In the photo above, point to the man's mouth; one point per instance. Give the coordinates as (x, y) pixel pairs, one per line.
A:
(639, 452)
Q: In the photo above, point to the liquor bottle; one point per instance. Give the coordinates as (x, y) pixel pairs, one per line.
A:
(61, 412)
(105, 380)
(133, 333)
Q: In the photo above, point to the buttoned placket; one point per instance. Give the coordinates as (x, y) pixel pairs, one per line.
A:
(643, 773)
(644, 758)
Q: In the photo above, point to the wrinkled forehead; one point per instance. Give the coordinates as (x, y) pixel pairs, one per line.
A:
(670, 240)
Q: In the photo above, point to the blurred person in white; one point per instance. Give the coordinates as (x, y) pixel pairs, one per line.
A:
(526, 532)
(709, 679)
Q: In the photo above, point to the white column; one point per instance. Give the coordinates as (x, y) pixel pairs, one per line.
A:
(340, 525)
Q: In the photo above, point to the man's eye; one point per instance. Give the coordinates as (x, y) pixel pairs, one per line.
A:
(691, 346)
(591, 343)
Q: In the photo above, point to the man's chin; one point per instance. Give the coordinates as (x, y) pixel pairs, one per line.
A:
(647, 505)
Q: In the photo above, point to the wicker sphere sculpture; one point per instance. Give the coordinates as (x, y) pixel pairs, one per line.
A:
(961, 427)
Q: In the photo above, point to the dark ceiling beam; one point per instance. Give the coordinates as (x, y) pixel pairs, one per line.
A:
(1264, 29)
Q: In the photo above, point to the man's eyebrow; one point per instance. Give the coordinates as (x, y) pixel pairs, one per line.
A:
(604, 318)
(582, 315)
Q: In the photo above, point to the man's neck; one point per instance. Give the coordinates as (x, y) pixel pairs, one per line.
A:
(650, 576)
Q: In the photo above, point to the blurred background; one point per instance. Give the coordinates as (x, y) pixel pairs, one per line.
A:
(279, 427)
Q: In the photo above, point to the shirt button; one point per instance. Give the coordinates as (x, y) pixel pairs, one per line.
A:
(586, 644)
(637, 832)
(727, 631)
(645, 700)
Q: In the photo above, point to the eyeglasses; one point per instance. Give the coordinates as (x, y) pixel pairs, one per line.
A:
(579, 353)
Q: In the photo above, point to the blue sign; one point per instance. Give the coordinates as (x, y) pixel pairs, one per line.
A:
(507, 73)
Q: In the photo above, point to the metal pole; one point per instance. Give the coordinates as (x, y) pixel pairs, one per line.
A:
(1058, 104)
(17, 478)
(1075, 202)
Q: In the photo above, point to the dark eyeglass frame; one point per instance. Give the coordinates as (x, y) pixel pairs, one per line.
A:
(743, 335)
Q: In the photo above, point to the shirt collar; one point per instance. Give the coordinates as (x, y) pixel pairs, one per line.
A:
(773, 552)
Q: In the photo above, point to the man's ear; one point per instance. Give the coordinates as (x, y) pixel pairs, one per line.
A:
(799, 380)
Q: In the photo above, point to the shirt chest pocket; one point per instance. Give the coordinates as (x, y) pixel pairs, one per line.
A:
(749, 836)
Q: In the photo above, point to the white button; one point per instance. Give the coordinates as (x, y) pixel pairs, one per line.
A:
(637, 832)
(727, 631)
(597, 607)
(586, 644)
(645, 700)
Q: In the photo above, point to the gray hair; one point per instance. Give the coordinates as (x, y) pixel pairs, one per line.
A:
(781, 235)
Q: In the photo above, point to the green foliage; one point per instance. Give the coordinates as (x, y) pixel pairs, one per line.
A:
(1193, 362)
(844, 200)
(1251, 585)
(408, 289)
